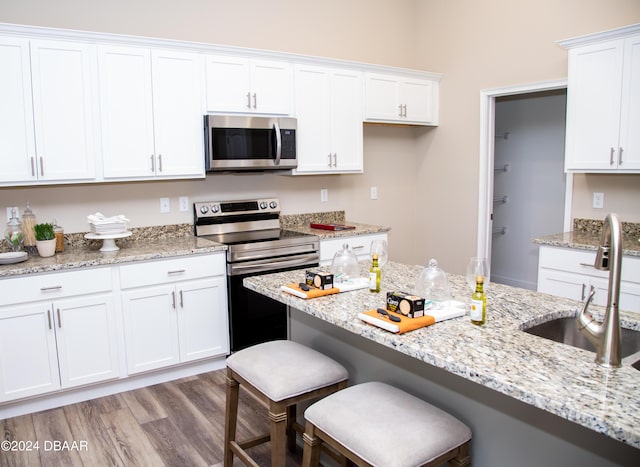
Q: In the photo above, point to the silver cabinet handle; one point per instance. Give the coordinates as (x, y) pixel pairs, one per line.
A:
(173, 299)
(59, 320)
(181, 300)
(584, 287)
(33, 166)
(248, 100)
(49, 318)
(153, 163)
(176, 271)
(586, 265)
(400, 110)
(405, 111)
(620, 149)
(53, 287)
(41, 166)
(160, 162)
(255, 101)
(611, 156)
(357, 247)
(330, 159)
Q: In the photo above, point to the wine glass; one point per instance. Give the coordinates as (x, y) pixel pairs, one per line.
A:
(477, 267)
(379, 247)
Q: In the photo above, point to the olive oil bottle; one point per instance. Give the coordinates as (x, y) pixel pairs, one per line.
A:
(479, 303)
(374, 274)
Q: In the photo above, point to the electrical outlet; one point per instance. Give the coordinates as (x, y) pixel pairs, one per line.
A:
(374, 192)
(324, 195)
(598, 200)
(164, 205)
(184, 203)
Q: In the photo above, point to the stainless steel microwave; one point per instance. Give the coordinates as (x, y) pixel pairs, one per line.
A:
(244, 143)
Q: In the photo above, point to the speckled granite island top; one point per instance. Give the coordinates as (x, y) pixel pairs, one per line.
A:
(554, 377)
(79, 257)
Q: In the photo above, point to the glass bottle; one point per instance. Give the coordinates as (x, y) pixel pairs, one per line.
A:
(374, 274)
(479, 303)
(28, 221)
(59, 234)
(14, 234)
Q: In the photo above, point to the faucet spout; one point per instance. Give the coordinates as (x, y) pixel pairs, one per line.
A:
(606, 335)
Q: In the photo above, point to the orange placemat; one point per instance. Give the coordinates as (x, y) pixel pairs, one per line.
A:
(295, 289)
(404, 325)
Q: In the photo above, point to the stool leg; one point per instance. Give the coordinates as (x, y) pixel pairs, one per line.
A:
(231, 418)
(462, 459)
(278, 431)
(291, 432)
(311, 454)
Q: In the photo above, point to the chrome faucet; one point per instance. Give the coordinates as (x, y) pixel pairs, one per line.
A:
(606, 335)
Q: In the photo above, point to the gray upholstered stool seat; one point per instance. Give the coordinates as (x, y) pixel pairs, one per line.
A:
(282, 374)
(377, 424)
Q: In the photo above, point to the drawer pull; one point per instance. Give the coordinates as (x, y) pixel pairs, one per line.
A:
(176, 271)
(357, 247)
(53, 287)
(586, 265)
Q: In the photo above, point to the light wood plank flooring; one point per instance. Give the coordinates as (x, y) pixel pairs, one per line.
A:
(179, 423)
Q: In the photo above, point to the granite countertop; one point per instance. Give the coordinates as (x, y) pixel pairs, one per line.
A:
(82, 256)
(534, 370)
(586, 236)
(301, 223)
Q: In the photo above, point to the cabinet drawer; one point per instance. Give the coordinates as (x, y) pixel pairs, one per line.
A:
(37, 287)
(360, 244)
(581, 262)
(171, 270)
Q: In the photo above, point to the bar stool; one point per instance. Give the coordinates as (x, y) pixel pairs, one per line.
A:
(281, 374)
(374, 424)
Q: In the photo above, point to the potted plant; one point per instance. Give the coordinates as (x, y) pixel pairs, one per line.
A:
(45, 239)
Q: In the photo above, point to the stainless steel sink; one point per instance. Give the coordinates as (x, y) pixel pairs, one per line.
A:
(565, 331)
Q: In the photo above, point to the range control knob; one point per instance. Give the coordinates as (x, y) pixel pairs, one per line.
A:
(204, 209)
(273, 205)
(214, 208)
(263, 205)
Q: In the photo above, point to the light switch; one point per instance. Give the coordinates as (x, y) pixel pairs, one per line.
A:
(324, 195)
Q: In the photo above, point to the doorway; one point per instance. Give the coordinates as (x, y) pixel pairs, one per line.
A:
(508, 224)
(528, 182)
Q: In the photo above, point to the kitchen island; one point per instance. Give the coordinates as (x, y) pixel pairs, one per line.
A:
(528, 400)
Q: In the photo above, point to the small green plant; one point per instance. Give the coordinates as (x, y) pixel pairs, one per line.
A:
(44, 231)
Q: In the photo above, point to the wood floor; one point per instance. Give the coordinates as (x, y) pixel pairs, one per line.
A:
(180, 423)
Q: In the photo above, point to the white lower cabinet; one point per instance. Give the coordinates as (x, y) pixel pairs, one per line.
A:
(60, 343)
(174, 311)
(360, 244)
(569, 273)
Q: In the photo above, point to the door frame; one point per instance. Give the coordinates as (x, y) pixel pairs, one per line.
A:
(487, 144)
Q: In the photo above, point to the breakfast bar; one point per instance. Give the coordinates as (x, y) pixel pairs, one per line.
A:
(528, 400)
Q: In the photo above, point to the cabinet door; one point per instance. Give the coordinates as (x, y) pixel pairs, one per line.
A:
(270, 87)
(178, 110)
(63, 76)
(28, 360)
(202, 318)
(313, 113)
(150, 328)
(228, 84)
(593, 106)
(127, 112)
(417, 96)
(382, 99)
(17, 139)
(346, 120)
(629, 158)
(87, 342)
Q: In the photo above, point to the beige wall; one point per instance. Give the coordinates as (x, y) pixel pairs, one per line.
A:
(432, 207)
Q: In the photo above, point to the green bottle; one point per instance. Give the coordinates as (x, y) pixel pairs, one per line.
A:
(479, 303)
(374, 275)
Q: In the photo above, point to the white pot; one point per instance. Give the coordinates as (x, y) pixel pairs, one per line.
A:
(46, 248)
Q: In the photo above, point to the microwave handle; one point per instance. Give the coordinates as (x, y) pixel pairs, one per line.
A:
(276, 128)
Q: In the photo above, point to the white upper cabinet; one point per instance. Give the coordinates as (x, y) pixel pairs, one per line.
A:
(329, 114)
(151, 108)
(400, 99)
(48, 122)
(603, 107)
(242, 85)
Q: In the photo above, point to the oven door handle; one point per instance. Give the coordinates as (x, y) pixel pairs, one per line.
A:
(272, 264)
(276, 128)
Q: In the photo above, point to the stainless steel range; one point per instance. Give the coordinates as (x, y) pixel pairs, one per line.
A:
(256, 245)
